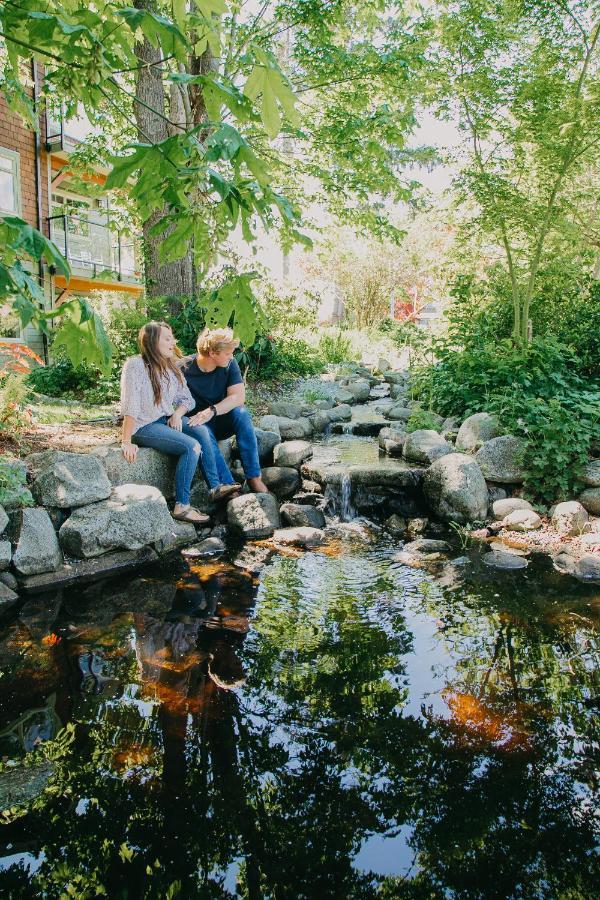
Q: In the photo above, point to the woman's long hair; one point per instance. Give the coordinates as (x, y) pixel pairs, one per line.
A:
(157, 365)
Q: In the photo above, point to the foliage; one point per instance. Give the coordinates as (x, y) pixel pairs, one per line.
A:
(13, 484)
(13, 395)
(522, 81)
(273, 359)
(421, 418)
(336, 347)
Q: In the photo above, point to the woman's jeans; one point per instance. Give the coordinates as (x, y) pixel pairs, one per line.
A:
(237, 421)
(185, 444)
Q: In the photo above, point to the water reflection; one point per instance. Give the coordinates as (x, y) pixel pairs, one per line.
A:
(346, 727)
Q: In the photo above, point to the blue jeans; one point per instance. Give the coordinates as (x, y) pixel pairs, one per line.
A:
(239, 422)
(184, 444)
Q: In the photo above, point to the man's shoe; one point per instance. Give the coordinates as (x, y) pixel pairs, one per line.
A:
(224, 492)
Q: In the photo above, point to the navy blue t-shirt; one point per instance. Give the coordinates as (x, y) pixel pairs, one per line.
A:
(209, 388)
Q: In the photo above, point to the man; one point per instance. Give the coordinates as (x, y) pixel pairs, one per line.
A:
(216, 384)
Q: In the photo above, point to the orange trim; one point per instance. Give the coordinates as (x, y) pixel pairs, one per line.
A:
(57, 164)
(86, 285)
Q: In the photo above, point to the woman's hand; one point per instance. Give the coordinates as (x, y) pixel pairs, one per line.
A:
(175, 421)
(202, 417)
(129, 451)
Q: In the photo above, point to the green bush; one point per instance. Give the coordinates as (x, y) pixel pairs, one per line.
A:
(421, 418)
(275, 359)
(335, 348)
(61, 378)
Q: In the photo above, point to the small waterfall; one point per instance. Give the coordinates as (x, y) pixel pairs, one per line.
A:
(340, 495)
(347, 427)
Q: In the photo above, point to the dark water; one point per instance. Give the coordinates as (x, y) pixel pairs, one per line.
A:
(344, 727)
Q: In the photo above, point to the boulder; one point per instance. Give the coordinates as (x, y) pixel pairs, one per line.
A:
(284, 409)
(341, 413)
(456, 490)
(398, 391)
(283, 481)
(254, 516)
(425, 446)
(294, 429)
(502, 508)
(5, 555)
(500, 459)
(392, 439)
(68, 480)
(342, 396)
(383, 365)
(395, 377)
(181, 534)
(359, 390)
(427, 548)
(590, 500)
(590, 476)
(320, 421)
(299, 537)
(134, 516)
(10, 581)
(475, 431)
(590, 541)
(395, 524)
(570, 518)
(417, 525)
(37, 548)
(210, 546)
(325, 403)
(269, 423)
(266, 441)
(587, 568)
(292, 453)
(8, 598)
(3, 519)
(522, 520)
(302, 514)
(399, 413)
(497, 559)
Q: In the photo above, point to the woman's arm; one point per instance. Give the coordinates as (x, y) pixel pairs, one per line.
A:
(129, 450)
(130, 407)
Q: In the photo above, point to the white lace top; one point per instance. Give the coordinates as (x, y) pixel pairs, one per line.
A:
(137, 396)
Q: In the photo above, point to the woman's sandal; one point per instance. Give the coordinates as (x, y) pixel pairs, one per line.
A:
(224, 492)
(192, 515)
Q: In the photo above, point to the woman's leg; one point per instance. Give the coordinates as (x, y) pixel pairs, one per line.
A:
(214, 467)
(159, 436)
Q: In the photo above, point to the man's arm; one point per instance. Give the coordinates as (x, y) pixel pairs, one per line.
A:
(236, 396)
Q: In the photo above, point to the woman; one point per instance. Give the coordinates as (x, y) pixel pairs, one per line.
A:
(154, 399)
(215, 381)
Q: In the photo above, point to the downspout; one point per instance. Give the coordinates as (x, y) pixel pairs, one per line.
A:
(38, 185)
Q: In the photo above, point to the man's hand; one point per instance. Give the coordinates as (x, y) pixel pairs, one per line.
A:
(202, 417)
(175, 421)
(129, 451)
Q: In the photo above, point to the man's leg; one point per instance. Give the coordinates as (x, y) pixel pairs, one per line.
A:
(239, 421)
(174, 443)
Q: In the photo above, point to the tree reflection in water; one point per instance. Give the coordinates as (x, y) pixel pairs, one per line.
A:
(276, 747)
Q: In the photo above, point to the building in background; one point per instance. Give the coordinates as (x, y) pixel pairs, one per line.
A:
(37, 185)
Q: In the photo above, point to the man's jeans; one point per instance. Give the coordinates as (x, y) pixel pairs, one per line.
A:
(185, 444)
(239, 422)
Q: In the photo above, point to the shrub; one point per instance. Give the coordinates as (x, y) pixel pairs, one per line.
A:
(13, 485)
(336, 347)
(421, 418)
(271, 359)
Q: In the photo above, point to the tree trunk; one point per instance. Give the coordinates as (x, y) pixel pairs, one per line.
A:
(175, 279)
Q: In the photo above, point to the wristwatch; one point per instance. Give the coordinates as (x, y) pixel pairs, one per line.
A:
(213, 410)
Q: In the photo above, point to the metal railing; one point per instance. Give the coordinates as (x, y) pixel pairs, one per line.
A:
(63, 135)
(92, 247)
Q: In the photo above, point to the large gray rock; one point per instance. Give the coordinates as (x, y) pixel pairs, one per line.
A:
(283, 481)
(292, 453)
(425, 446)
(8, 598)
(570, 518)
(285, 409)
(475, 431)
(399, 413)
(5, 555)
(254, 516)
(135, 515)
(587, 568)
(502, 508)
(68, 480)
(456, 490)
(294, 429)
(501, 460)
(341, 413)
(497, 559)
(398, 391)
(266, 441)
(590, 500)
(3, 519)
(302, 514)
(359, 390)
(37, 548)
(522, 520)
(321, 420)
(269, 423)
(182, 534)
(591, 474)
(343, 396)
(392, 439)
(395, 377)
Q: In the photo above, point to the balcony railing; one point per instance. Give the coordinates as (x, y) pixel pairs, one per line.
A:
(63, 135)
(92, 248)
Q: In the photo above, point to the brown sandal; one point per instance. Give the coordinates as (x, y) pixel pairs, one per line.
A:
(224, 492)
(192, 515)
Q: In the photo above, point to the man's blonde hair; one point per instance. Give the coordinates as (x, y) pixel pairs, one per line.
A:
(212, 340)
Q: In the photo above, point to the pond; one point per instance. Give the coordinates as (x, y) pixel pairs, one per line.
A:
(343, 726)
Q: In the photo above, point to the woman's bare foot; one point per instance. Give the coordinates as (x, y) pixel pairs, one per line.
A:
(257, 485)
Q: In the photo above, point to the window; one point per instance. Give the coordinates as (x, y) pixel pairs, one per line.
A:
(10, 184)
(10, 325)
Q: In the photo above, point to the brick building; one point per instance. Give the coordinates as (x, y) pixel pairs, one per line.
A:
(36, 184)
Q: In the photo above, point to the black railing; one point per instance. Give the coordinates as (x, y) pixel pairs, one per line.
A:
(90, 245)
